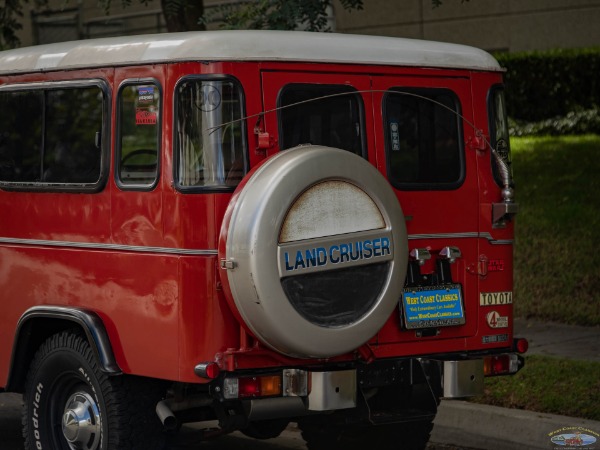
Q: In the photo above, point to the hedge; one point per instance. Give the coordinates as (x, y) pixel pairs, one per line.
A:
(551, 84)
(573, 123)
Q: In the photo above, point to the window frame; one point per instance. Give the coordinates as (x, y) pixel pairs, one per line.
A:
(423, 92)
(175, 136)
(44, 186)
(350, 90)
(118, 128)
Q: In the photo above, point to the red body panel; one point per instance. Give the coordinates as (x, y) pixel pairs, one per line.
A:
(166, 312)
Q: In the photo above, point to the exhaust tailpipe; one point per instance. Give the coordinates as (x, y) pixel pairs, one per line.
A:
(166, 416)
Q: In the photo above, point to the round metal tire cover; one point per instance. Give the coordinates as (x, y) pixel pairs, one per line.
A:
(313, 219)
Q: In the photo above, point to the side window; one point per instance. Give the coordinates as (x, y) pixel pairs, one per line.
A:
(21, 135)
(423, 139)
(499, 129)
(72, 143)
(138, 141)
(321, 115)
(210, 144)
(50, 137)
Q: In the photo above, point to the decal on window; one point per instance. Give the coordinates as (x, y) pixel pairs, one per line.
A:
(145, 117)
(394, 137)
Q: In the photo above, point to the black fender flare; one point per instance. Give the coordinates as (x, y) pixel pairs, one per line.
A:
(28, 337)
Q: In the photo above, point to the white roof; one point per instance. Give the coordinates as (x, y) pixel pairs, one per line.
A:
(245, 46)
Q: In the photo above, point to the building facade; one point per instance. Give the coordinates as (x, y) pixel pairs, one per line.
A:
(493, 25)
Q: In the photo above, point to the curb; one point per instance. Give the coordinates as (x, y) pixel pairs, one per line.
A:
(487, 427)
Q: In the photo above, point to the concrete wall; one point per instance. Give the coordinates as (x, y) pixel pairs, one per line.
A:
(494, 25)
(73, 19)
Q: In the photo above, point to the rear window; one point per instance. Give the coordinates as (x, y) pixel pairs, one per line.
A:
(321, 115)
(423, 139)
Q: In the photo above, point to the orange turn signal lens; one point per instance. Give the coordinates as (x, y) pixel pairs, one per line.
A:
(270, 385)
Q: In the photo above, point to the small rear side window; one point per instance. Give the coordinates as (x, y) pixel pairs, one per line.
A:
(138, 142)
(423, 139)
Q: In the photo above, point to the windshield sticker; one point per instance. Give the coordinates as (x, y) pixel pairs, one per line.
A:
(145, 94)
(145, 116)
(209, 99)
(395, 136)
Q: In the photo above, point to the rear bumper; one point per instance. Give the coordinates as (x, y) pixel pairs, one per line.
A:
(379, 392)
(462, 378)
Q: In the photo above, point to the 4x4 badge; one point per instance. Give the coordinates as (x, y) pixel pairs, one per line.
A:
(495, 320)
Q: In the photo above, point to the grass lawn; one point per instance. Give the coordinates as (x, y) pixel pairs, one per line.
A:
(557, 270)
(549, 385)
(557, 252)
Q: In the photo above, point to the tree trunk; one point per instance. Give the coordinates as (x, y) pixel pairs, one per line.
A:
(184, 15)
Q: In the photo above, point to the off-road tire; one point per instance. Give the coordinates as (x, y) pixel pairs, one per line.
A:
(121, 408)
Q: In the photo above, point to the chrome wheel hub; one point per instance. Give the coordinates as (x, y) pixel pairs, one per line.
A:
(81, 423)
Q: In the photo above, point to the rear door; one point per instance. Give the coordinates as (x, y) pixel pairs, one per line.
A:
(412, 129)
(421, 134)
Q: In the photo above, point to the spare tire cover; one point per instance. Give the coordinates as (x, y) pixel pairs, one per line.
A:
(315, 251)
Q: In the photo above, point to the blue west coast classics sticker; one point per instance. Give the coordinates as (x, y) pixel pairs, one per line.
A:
(436, 306)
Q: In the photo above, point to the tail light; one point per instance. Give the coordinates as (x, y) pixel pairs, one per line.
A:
(504, 364)
(252, 387)
(208, 370)
(288, 383)
(521, 345)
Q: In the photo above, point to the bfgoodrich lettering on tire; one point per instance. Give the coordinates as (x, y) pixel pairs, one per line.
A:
(70, 404)
(314, 252)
